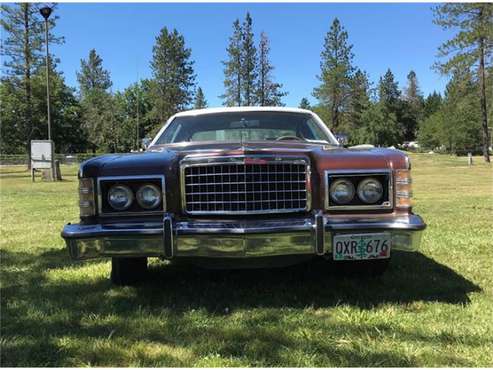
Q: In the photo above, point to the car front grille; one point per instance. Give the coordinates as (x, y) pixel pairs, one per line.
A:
(243, 187)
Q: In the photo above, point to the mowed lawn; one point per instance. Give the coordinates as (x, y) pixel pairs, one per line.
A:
(432, 308)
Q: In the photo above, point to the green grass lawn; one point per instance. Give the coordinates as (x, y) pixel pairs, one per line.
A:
(432, 308)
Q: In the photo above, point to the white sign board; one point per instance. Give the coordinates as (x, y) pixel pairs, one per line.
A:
(41, 153)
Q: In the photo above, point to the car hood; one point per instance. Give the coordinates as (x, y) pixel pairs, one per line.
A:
(161, 159)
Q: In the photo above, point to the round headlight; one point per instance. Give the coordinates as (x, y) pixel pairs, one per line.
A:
(370, 190)
(120, 197)
(342, 191)
(149, 196)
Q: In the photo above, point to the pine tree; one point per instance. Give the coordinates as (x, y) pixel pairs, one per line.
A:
(432, 104)
(22, 48)
(248, 62)
(336, 70)
(472, 47)
(359, 99)
(94, 84)
(388, 91)
(412, 107)
(232, 69)
(268, 92)
(173, 74)
(92, 75)
(390, 100)
(305, 104)
(200, 101)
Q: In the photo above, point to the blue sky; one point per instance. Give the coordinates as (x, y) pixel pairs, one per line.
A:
(399, 36)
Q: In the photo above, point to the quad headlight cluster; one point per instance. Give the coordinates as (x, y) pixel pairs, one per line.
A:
(369, 191)
(358, 190)
(122, 197)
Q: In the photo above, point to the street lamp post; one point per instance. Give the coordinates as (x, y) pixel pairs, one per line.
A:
(46, 12)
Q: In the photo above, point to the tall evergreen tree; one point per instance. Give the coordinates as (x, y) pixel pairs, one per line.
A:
(359, 99)
(457, 125)
(173, 74)
(22, 48)
(335, 75)
(432, 104)
(96, 100)
(268, 92)
(412, 92)
(388, 91)
(305, 104)
(412, 106)
(232, 69)
(200, 101)
(248, 62)
(472, 46)
(389, 97)
(92, 75)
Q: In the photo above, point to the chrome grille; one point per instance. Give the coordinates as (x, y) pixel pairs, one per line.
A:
(244, 187)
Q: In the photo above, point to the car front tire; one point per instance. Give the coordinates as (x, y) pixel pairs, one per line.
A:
(128, 271)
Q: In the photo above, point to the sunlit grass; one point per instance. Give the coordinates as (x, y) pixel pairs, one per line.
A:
(432, 308)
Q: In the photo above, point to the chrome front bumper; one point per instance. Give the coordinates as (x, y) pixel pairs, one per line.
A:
(238, 239)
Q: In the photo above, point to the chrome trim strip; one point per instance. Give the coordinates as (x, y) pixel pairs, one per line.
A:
(359, 172)
(194, 161)
(123, 178)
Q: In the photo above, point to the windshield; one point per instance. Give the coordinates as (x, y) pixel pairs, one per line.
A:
(244, 126)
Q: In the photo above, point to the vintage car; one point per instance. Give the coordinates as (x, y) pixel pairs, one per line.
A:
(245, 187)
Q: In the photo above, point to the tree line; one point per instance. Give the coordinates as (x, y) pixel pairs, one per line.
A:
(95, 118)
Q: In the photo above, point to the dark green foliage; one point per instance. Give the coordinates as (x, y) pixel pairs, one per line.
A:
(268, 93)
(248, 62)
(200, 101)
(133, 108)
(22, 49)
(92, 75)
(173, 82)
(432, 104)
(359, 102)
(380, 127)
(96, 101)
(456, 126)
(471, 47)
(232, 68)
(335, 74)
(305, 104)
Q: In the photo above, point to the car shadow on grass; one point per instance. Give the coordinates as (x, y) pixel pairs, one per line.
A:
(57, 313)
(411, 277)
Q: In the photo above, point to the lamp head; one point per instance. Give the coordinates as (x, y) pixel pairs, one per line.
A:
(45, 12)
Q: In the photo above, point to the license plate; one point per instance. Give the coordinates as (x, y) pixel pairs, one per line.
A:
(361, 246)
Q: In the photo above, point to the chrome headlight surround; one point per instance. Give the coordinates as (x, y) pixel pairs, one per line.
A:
(366, 187)
(356, 176)
(337, 187)
(152, 190)
(104, 183)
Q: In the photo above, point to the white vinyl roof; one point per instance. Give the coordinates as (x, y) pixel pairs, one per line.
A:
(196, 112)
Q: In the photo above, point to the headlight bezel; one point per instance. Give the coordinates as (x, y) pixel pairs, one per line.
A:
(104, 183)
(356, 176)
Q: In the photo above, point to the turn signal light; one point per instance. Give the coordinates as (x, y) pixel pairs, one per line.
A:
(87, 205)
(403, 189)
